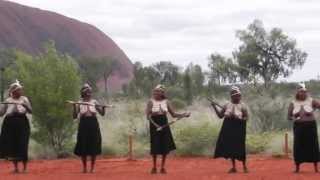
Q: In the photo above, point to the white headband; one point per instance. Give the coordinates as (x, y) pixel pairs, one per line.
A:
(236, 89)
(302, 86)
(86, 87)
(15, 86)
(160, 87)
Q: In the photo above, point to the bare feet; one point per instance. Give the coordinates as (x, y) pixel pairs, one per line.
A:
(245, 170)
(232, 170)
(163, 171)
(15, 171)
(84, 171)
(92, 171)
(153, 171)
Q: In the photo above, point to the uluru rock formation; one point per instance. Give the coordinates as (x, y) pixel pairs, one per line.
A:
(27, 28)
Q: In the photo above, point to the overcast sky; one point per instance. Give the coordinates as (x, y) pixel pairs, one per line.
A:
(185, 31)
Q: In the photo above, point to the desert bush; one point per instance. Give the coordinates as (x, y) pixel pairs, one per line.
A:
(178, 103)
(196, 140)
(50, 79)
(257, 143)
(275, 147)
(268, 114)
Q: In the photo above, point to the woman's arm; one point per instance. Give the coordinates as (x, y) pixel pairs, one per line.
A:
(148, 110)
(76, 110)
(220, 113)
(101, 109)
(3, 109)
(290, 112)
(175, 114)
(245, 113)
(316, 104)
(26, 104)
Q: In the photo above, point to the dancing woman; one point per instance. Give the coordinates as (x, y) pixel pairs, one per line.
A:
(161, 141)
(301, 112)
(15, 131)
(89, 135)
(231, 142)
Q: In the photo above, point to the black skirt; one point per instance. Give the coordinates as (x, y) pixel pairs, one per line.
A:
(306, 146)
(161, 142)
(231, 142)
(88, 137)
(14, 138)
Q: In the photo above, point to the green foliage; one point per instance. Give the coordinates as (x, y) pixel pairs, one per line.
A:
(178, 104)
(144, 80)
(257, 143)
(92, 69)
(95, 69)
(168, 72)
(50, 79)
(196, 140)
(266, 55)
(187, 86)
(222, 69)
(268, 114)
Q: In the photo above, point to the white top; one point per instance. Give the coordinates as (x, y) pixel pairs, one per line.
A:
(306, 106)
(159, 106)
(11, 108)
(234, 109)
(88, 108)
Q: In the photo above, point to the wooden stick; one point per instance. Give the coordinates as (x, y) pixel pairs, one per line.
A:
(170, 123)
(130, 146)
(90, 104)
(155, 124)
(286, 145)
(10, 103)
(213, 102)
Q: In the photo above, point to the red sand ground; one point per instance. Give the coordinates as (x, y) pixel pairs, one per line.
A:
(261, 168)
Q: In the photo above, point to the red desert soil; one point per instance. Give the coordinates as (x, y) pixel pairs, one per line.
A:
(261, 168)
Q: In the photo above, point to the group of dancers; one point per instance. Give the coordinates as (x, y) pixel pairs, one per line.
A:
(231, 143)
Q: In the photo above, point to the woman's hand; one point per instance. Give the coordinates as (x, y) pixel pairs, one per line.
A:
(187, 114)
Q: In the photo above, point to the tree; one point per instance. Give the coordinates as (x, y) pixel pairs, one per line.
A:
(197, 78)
(222, 69)
(144, 80)
(50, 79)
(92, 70)
(187, 86)
(7, 57)
(168, 72)
(96, 69)
(109, 68)
(266, 55)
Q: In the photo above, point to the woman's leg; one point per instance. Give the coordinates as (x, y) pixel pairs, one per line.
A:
(316, 167)
(245, 168)
(84, 164)
(15, 165)
(25, 165)
(163, 164)
(154, 168)
(233, 168)
(93, 163)
(297, 167)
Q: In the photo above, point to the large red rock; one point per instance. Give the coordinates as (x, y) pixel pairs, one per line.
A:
(27, 28)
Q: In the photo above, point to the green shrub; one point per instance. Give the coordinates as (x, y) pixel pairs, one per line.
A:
(50, 79)
(178, 103)
(196, 140)
(267, 114)
(257, 143)
(276, 144)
